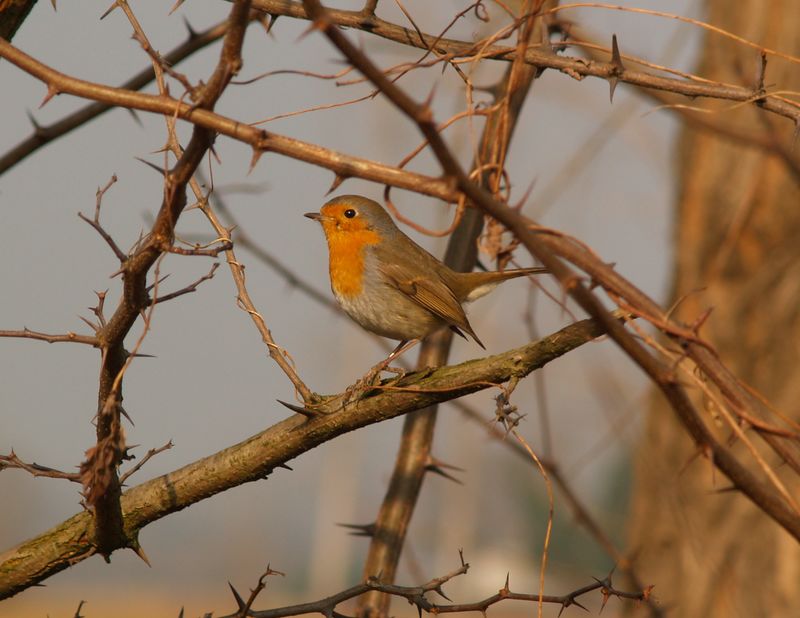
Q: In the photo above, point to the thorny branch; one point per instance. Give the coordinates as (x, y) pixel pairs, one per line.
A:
(580, 511)
(538, 56)
(69, 337)
(448, 49)
(550, 250)
(44, 134)
(13, 461)
(100, 474)
(258, 456)
(417, 596)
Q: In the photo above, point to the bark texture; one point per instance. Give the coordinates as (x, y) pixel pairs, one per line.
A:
(712, 553)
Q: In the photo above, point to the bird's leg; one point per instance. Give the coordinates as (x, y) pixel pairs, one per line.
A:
(365, 383)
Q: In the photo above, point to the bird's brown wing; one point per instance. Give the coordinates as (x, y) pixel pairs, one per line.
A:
(430, 293)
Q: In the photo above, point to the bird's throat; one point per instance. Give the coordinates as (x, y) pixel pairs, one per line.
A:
(347, 256)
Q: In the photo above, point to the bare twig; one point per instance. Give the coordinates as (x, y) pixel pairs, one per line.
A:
(44, 134)
(416, 595)
(110, 533)
(147, 457)
(13, 461)
(69, 337)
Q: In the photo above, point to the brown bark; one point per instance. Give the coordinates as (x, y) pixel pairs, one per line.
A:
(709, 552)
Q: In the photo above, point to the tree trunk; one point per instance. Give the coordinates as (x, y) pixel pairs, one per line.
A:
(710, 552)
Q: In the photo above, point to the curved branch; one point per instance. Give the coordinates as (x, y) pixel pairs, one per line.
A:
(43, 135)
(344, 166)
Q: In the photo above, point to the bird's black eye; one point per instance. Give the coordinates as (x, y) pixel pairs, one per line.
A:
(349, 213)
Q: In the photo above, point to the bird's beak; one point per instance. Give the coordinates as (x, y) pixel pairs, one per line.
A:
(313, 215)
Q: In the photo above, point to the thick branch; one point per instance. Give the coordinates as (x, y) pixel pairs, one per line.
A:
(255, 458)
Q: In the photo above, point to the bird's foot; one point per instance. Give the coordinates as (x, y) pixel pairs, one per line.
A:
(363, 385)
(399, 371)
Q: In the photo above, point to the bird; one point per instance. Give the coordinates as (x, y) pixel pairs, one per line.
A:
(391, 286)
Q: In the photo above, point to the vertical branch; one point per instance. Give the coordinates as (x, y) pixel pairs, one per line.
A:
(109, 531)
(414, 452)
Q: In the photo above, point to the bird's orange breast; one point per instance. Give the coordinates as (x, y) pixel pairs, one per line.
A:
(347, 259)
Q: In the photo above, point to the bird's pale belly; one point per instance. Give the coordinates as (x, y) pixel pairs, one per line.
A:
(389, 313)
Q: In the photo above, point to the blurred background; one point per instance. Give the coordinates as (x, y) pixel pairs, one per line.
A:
(601, 172)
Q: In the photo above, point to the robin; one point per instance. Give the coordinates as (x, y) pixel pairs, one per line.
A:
(390, 285)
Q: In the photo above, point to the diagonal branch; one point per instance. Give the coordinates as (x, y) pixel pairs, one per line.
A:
(549, 249)
(44, 134)
(255, 458)
(261, 141)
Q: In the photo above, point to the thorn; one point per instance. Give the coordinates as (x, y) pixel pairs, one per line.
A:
(574, 602)
(307, 412)
(320, 25)
(604, 602)
(271, 23)
(761, 72)
(176, 6)
(367, 530)
(506, 588)
(191, 31)
(135, 116)
(51, 92)
(109, 10)
(239, 600)
(53, 2)
(214, 152)
(427, 104)
(151, 165)
(137, 549)
(438, 467)
(150, 287)
(82, 603)
(180, 614)
(521, 202)
(337, 182)
(257, 152)
(285, 467)
(36, 126)
(617, 68)
(441, 593)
